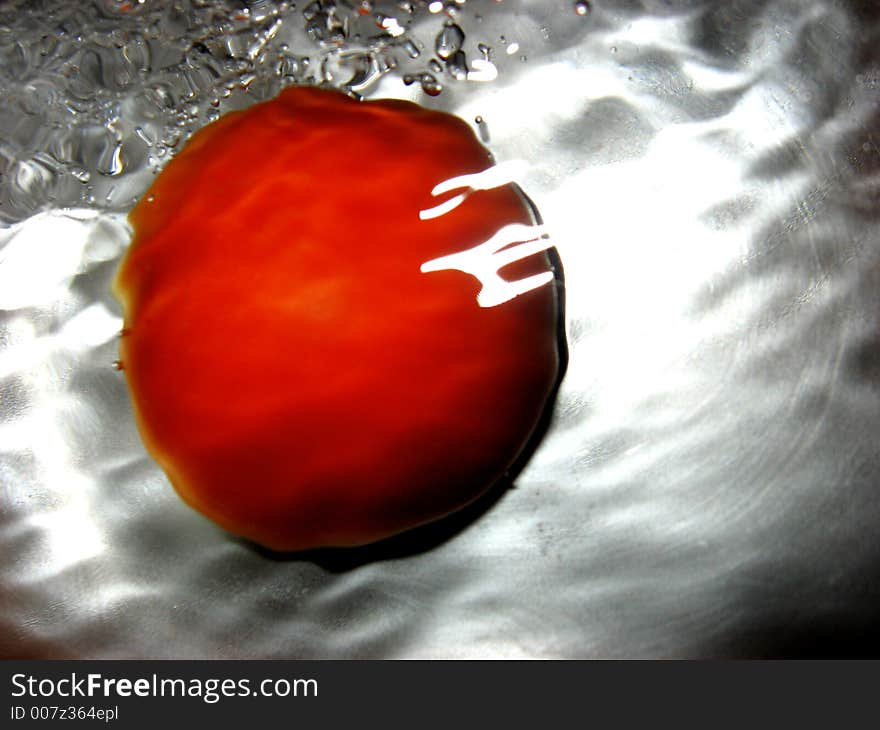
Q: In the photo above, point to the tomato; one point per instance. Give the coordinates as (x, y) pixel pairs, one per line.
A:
(299, 368)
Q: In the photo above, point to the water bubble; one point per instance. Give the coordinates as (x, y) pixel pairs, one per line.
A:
(110, 161)
(355, 71)
(457, 66)
(412, 50)
(430, 85)
(482, 128)
(582, 8)
(385, 62)
(140, 132)
(449, 41)
(165, 73)
(80, 173)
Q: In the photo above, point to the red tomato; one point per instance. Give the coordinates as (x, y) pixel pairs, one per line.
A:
(297, 375)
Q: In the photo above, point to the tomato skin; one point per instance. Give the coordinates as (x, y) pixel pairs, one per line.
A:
(297, 376)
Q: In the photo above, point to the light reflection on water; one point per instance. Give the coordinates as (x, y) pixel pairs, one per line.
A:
(708, 484)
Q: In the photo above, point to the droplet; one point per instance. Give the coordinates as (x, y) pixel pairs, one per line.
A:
(139, 131)
(430, 85)
(80, 173)
(110, 161)
(412, 50)
(482, 128)
(449, 41)
(457, 66)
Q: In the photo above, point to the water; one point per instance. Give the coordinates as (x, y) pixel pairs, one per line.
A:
(707, 486)
(449, 41)
(106, 88)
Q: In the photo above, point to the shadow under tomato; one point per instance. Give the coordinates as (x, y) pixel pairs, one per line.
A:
(426, 537)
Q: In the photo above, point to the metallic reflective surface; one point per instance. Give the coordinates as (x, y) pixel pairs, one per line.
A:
(708, 484)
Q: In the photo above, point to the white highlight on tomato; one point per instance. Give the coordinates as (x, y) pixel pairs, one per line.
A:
(494, 177)
(511, 243)
(487, 259)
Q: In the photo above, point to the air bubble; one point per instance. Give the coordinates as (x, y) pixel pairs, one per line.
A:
(482, 128)
(582, 8)
(165, 88)
(449, 41)
(429, 83)
(80, 173)
(412, 50)
(457, 66)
